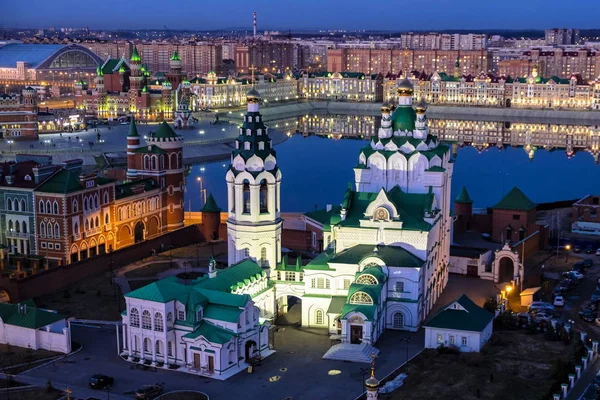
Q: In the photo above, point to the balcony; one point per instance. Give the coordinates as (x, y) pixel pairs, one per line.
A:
(13, 234)
(76, 237)
(401, 295)
(107, 227)
(92, 232)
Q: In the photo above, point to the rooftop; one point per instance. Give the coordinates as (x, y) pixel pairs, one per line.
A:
(32, 54)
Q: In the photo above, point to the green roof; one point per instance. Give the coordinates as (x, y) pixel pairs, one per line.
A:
(336, 304)
(323, 216)
(372, 290)
(29, 317)
(162, 291)
(211, 205)
(231, 276)
(152, 149)
(365, 309)
(403, 119)
(515, 200)
(320, 262)
(395, 256)
(135, 56)
(222, 313)
(130, 188)
(132, 128)
(164, 131)
(463, 197)
(175, 56)
(472, 318)
(375, 271)
(64, 181)
(110, 66)
(211, 333)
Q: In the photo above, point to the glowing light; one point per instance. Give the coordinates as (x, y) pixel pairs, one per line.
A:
(333, 372)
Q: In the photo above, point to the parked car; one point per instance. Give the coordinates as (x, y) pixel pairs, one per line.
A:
(588, 263)
(579, 266)
(101, 381)
(573, 275)
(598, 252)
(540, 305)
(589, 250)
(576, 249)
(149, 391)
(595, 296)
(587, 315)
(559, 301)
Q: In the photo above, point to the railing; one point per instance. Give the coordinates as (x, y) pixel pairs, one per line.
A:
(17, 234)
(107, 227)
(94, 231)
(401, 295)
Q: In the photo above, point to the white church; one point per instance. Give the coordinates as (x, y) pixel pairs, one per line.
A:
(385, 263)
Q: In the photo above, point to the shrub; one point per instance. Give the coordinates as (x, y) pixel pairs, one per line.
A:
(551, 333)
(443, 349)
(490, 304)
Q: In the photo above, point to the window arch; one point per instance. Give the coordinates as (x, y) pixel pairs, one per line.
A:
(170, 348)
(146, 162)
(9, 204)
(85, 204)
(76, 228)
(106, 219)
(23, 205)
(398, 320)
(263, 256)
(367, 279)
(134, 317)
(319, 317)
(264, 206)
(42, 206)
(147, 345)
(24, 226)
(179, 160)
(86, 225)
(162, 162)
(97, 221)
(75, 206)
(55, 207)
(146, 320)
(48, 207)
(120, 214)
(361, 298)
(246, 198)
(158, 322)
(11, 226)
(17, 226)
(106, 197)
(96, 201)
(154, 162)
(56, 231)
(159, 347)
(49, 230)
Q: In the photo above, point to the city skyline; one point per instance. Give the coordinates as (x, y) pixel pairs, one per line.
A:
(311, 14)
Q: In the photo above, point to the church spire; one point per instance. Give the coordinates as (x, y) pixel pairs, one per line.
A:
(386, 122)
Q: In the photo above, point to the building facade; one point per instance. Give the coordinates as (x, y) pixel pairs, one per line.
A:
(19, 115)
(585, 216)
(341, 86)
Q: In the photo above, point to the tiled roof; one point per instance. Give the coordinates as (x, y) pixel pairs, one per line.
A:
(515, 200)
(211, 333)
(29, 317)
(32, 54)
(472, 318)
(164, 131)
(222, 313)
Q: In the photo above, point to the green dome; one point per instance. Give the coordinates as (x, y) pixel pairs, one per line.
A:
(403, 119)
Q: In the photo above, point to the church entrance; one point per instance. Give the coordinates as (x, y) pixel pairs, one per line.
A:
(289, 311)
(356, 333)
(506, 271)
(472, 270)
(139, 232)
(250, 349)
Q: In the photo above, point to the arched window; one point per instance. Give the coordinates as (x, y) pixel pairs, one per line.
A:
(55, 207)
(398, 320)
(56, 231)
(319, 317)
(24, 226)
(158, 322)
(96, 201)
(162, 162)
(246, 189)
(97, 222)
(146, 320)
(41, 206)
(76, 228)
(147, 345)
(153, 162)
(367, 279)
(179, 160)
(9, 204)
(170, 348)
(106, 219)
(48, 207)
(264, 207)
(86, 225)
(85, 204)
(105, 197)
(23, 205)
(146, 162)
(134, 317)
(361, 298)
(75, 206)
(49, 229)
(120, 214)
(17, 226)
(11, 226)
(159, 347)
(263, 256)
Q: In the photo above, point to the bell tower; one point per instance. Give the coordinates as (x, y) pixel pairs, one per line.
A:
(253, 193)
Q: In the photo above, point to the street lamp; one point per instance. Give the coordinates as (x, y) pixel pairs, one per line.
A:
(567, 248)
(202, 191)
(407, 340)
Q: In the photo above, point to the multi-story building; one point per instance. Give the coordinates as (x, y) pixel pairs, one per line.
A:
(347, 86)
(18, 115)
(269, 56)
(374, 61)
(586, 218)
(443, 41)
(211, 91)
(78, 216)
(517, 67)
(564, 36)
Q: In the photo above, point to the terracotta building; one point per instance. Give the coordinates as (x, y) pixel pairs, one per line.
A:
(586, 218)
(18, 115)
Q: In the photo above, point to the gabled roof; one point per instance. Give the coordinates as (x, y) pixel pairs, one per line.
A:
(515, 200)
(244, 271)
(211, 333)
(28, 317)
(395, 256)
(472, 318)
(64, 181)
(323, 216)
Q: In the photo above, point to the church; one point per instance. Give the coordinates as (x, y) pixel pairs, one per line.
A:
(384, 266)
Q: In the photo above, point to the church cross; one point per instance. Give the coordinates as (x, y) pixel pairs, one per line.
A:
(373, 357)
(252, 69)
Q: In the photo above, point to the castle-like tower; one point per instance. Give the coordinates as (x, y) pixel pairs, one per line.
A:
(175, 75)
(253, 193)
(136, 79)
(99, 80)
(133, 144)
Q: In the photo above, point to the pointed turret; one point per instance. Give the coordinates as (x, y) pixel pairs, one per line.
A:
(175, 56)
(211, 205)
(211, 219)
(133, 144)
(135, 56)
(463, 197)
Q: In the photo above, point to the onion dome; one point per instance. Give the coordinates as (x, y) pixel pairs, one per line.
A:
(135, 56)
(386, 108)
(167, 85)
(175, 56)
(372, 383)
(405, 87)
(253, 96)
(421, 106)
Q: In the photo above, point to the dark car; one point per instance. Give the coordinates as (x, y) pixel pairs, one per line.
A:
(576, 249)
(589, 250)
(587, 315)
(588, 263)
(101, 381)
(149, 391)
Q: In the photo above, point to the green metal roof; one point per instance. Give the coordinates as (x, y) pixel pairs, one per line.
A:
(28, 317)
(372, 290)
(403, 119)
(64, 181)
(336, 304)
(222, 313)
(211, 333)
(365, 309)
(110, 66)
(129, 188)
(231, 276)
(211, 205)
(175, 56)
(323, 216)
(320, 262)
(375, 271)
(463, 197)
(515, 200)
(135, 56)
(395, 256)
(162, 291)
(132, 128)
(164, 131)
(473, 319)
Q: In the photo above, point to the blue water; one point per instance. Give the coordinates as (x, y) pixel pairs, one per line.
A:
(316, 171)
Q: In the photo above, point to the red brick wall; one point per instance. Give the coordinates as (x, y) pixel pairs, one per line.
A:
(296, 240)
(503, 218)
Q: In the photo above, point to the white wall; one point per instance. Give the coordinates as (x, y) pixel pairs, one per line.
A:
(475, 340)
(56, 337)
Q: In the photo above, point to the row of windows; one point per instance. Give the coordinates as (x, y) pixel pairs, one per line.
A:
(50, 245)
(134, 320)
(46, 230)
(175, 161)
(464, 340)
(18, 227)
(137, 209)
(47, 208)
(16, 205)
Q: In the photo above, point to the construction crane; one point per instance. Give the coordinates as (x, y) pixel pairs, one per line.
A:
(169, 34)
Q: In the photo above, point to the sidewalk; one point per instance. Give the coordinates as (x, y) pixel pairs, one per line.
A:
(585, 380)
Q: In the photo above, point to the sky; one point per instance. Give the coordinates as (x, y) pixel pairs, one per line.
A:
(305, 14)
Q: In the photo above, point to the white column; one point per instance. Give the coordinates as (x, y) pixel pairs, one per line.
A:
(271, 187)
(578, 371)
(230, 197)
(153, 344)
(564, 388)
(166, 349)
(239, 200)
(278, 198)
(118, 340)
(571, 380)
(254, 202)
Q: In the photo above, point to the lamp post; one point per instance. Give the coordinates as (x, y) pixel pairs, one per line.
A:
(10, 143)
(202, 191)
(567, 249)
(407, 340)
(508, 289)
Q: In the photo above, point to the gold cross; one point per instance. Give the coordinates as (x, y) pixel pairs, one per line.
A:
(68, 391)
(373, 357)
(252, 69)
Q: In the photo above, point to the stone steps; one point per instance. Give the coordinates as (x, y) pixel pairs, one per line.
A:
(351, 352)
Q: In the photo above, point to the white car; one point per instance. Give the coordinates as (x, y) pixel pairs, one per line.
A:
(576, 274)
(598, 252)
(536, 305)
(559, 301)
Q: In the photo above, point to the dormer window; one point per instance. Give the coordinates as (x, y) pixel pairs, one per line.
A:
(247, 146)
(181, 315)
(199, 315)
(261, 145)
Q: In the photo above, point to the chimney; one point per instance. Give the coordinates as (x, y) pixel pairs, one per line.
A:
(328, 207)
(254, 23)
(212, 268)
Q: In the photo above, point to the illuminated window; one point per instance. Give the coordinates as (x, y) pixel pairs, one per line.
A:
(361, 298)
